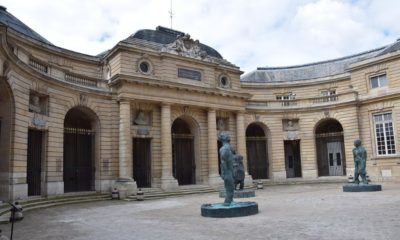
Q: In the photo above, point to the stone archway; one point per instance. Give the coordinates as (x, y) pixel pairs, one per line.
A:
(184, 142)
(6, 132)
(80, 128)
(257, 151)
(329, 141)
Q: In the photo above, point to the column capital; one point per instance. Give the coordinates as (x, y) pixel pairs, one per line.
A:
(166, 104)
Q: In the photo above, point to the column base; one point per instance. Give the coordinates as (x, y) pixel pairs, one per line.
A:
(54, 188)
(310, 174)
(215, 180)
(169, 184)
(19, 191)
(125, 187)
(279, 176)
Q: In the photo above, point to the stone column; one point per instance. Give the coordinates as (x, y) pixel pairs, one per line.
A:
(241, 145)
(213, 176)
(168, 182)
(125, 183)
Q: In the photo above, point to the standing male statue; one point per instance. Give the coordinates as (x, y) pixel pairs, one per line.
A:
(227, 157)
(360, 158)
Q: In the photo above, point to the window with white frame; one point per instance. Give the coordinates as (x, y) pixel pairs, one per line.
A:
(329, 95)
(378, 81)
(286, 99)
(384, 133)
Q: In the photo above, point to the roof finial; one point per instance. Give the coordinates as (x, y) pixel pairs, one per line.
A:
(171, 14)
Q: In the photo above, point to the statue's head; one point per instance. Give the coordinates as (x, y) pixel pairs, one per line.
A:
(357, 143)
(224, 137)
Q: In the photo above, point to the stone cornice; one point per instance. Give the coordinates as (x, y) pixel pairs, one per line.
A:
(20, 67)
(374, 61)
(50, 49)
(127, 47)
(119, 79)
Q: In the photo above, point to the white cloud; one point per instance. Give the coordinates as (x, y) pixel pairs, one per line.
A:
(247, 33)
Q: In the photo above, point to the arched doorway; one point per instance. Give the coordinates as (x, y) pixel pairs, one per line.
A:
(183, 153)
(6, 128)
(330, 148)
(79, 146)
(257, 153)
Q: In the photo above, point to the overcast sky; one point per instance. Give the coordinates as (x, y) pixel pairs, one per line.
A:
(248, 33)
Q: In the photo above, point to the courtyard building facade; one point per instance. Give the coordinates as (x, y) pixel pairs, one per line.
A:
(147, 114)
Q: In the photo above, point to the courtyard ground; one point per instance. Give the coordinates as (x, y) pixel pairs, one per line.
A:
(316, 211)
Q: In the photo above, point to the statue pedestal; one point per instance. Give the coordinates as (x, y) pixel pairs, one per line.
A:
(236, 209)
(352, 187)
(245, 193)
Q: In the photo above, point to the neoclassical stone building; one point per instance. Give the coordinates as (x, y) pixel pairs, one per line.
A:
(147, 113)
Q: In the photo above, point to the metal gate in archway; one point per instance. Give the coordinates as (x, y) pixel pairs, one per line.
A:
(78, 160)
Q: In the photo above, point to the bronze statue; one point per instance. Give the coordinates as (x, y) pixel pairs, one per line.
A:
(360, 158)
(238, 171)
(227, 158)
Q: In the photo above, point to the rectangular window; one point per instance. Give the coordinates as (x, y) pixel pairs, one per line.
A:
(378, 81)
(329, 95)
(287, 100)
(384, 133)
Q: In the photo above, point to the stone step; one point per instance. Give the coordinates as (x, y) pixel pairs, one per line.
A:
(31, 204)
(180, 192)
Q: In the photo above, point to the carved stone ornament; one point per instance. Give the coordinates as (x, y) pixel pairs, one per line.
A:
(142, 118)
(38, 121)
(34, 103)
(83, 99)
(144, 131)
(186, 46)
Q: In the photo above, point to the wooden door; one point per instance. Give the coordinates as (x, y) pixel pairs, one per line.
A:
(34, 163)
(183, 160)
(258, 164)
(142, 162)
(292, 159)
(78, 160)
(335, 158)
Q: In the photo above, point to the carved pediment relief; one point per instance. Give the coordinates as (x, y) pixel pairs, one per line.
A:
(187, 47)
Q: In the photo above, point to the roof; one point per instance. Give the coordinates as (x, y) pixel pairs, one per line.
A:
(391, 48)
(315, 70)
(163, 36)
(307, 71)
(14, 23)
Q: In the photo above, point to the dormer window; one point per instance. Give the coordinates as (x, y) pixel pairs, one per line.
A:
(378, 81)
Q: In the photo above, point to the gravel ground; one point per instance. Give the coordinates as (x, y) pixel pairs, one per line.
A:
(317, 211)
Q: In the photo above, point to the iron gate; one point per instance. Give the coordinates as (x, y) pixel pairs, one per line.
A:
(34, 163)
(78, 160)
(142, 162)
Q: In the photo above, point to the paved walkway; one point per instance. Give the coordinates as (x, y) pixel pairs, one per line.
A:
(319, 211)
